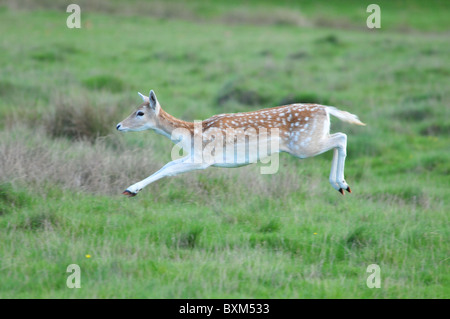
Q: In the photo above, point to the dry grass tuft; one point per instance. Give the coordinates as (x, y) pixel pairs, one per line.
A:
(31, 158)
(78, 118)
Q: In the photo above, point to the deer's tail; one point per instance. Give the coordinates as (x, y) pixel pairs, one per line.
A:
(344, 116)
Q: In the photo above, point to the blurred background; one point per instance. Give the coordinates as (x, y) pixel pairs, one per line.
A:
(222, 232)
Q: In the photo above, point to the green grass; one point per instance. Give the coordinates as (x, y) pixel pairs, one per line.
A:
(222, 233)
(146, 248)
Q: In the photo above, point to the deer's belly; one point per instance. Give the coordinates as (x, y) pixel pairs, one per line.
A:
(230, 165)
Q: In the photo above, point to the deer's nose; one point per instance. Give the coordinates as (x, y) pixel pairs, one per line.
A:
(118, 126)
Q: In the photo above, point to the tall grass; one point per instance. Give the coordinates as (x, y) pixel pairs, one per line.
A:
(107, 165)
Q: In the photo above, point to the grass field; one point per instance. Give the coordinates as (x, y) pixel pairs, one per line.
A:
(222, 233)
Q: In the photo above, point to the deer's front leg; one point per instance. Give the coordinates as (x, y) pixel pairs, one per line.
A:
(176, 167)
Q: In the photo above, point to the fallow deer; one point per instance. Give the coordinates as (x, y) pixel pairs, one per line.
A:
(302, 130)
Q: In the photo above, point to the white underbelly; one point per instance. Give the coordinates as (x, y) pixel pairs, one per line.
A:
(235, 155)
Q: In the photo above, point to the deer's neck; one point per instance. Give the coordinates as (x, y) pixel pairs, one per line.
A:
(168, 123)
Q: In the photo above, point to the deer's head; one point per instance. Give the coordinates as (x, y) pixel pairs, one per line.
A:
(145, 117)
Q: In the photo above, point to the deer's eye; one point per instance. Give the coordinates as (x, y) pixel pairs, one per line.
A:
(140, 113)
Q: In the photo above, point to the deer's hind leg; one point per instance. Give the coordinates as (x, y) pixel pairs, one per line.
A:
(338, 142)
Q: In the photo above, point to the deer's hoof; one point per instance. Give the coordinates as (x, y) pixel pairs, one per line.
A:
(128, 193)
(341, 190)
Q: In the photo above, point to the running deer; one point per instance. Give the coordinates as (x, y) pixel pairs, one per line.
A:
(302, 130)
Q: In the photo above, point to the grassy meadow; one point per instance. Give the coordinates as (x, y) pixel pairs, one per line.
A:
(222, 233)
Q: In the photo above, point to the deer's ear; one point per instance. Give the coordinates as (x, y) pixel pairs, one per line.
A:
(144, 98)
(154, 104)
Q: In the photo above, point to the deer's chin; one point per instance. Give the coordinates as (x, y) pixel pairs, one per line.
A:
(139, 129)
